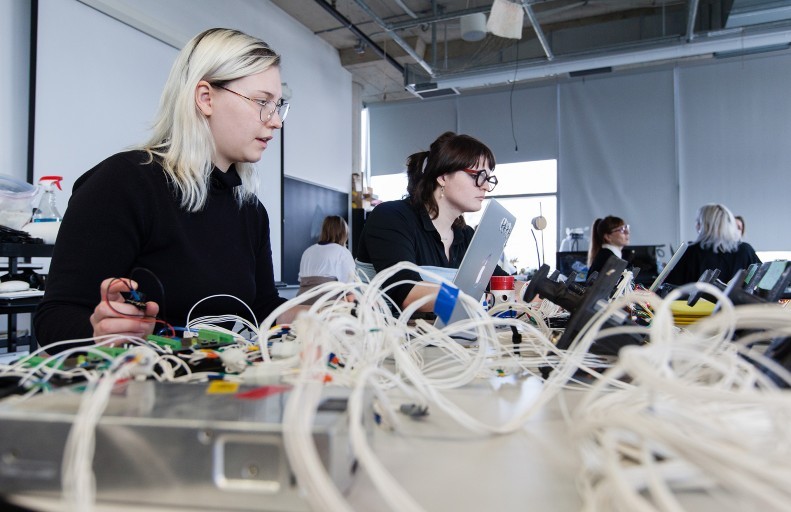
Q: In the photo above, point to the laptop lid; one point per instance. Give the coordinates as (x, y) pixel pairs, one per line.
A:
(485, 249)
(669, 267)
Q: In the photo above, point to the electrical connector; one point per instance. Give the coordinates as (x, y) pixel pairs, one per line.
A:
(414, 410)
(162, 341)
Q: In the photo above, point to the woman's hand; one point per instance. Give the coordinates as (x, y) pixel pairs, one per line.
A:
(114, 316)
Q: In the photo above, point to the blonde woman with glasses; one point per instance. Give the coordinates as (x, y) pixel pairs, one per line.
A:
(178, 217)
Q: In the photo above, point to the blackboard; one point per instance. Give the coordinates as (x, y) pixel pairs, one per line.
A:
(304, 207)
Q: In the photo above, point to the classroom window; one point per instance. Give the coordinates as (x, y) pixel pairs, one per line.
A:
(527, 189)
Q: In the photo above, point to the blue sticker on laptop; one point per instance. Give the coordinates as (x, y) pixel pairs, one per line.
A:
(447, 297)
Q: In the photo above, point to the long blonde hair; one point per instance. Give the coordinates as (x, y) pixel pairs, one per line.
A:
(717, 229)
(181, 140)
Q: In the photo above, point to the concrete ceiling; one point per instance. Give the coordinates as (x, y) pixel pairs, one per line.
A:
(398, 49)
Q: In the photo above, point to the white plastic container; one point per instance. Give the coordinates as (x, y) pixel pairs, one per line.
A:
(16, 201)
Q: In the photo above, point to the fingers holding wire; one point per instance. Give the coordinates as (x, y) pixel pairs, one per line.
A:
(123, 310)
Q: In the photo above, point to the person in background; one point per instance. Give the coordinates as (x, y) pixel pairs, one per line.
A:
(718, 246)
(608, 238)
(329, 259)
(740, 224)
(427, 228)
(177, 216)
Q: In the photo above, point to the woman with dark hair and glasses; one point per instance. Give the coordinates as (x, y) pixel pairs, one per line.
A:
(427, 227)
(608, 238)
(718, 246)
(182, 206)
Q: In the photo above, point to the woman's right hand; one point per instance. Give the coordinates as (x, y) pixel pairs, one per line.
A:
(114, 316)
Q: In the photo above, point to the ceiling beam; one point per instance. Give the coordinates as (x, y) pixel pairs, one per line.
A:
(362, 35)
(737, 39)
(395, 37)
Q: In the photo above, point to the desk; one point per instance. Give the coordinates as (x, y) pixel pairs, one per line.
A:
(445, 468)
(12, 307)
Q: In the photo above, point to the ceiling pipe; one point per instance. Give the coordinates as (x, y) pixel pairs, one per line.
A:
(537, 27)
(691, 17)
(406, 9)
(362, 35)
(436, 18)
(679, 50)
(394, 36)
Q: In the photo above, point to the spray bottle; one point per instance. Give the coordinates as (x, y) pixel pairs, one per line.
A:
(47, 211)
(46, 218)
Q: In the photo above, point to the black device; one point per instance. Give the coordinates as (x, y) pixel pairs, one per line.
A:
(762, 284)
(765, 284)
(583, 302)
(646, 259)
(596, 297)
(575, 262)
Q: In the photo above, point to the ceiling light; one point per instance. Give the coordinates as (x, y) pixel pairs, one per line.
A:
(473, 26)
(505, 19)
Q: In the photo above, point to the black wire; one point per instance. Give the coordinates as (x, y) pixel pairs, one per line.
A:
(159, 283)
(538, 255)
(511, 98)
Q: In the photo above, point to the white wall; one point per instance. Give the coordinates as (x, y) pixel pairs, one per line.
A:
(319, 127)
(14, 73)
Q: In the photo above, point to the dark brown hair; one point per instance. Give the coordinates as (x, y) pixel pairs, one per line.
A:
(451, 152)
(334, 230)
(600, 228)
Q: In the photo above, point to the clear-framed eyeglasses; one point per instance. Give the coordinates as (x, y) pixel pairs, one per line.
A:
(481, 177)
(268, 107)
(622, 229)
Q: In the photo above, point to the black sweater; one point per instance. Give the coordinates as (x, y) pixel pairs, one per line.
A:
(600, 259)
(124, 215)
(396, 231)
(697, 260)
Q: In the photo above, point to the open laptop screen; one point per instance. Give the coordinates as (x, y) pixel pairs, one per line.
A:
(669, 267)
(481, 258)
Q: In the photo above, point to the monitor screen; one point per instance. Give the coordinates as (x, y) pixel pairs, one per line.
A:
(646, 258)
(573, 261)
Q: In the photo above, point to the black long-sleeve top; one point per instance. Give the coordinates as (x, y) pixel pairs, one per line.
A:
(697, 260)
(599, 260)
(396, 231)
(125, 214)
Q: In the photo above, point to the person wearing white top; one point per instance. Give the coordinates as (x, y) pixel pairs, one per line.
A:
(329, 259)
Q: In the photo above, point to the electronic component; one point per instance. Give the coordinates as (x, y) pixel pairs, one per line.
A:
(135, 298)
(175, 445)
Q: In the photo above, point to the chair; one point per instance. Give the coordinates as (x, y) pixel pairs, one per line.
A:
(365, 270)
(309, 282)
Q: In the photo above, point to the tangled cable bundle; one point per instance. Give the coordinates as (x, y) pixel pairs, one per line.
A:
(688, 413)
(691, 411)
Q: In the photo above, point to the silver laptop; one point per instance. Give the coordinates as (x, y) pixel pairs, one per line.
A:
(485, 249)
(669, 267)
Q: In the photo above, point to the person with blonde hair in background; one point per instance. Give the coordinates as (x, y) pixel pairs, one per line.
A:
(718, 246)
